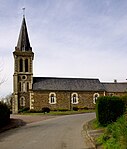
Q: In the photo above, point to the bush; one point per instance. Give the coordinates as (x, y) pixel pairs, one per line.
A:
(4, 114)
(45, 109)
(85, 108)
(75, 108)
(108, 109)
(25, 109)
(62, 110)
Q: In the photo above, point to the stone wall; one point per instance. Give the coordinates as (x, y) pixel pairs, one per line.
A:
(63, 100)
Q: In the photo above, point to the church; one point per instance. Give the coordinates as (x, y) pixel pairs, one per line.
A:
(55, 93)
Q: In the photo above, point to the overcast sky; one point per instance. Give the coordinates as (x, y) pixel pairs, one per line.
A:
(70, 38)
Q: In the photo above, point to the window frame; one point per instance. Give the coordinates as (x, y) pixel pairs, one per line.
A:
(22, 101)
(52, 98)
(76, 99)
(95, 98)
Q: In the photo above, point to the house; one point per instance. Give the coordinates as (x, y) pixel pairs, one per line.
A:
(55, 93)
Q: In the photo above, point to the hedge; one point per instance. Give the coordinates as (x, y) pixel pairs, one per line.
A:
(4, 114)
(108, 109)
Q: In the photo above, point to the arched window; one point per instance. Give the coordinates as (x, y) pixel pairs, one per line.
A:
(74, 98)
(95, 96)
(52, 98)
(22, 102)
(21, 65)
(26, 65)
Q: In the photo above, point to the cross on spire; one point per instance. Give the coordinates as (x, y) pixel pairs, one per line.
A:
(23, 12)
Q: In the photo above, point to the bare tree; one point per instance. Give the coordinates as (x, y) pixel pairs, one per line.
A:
(2, 79)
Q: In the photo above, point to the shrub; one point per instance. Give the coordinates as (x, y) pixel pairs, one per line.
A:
(108, 109)
(62, 110)
(25, 109)
(85, 108)
(4, 114)
(45, 109)
(75, 108)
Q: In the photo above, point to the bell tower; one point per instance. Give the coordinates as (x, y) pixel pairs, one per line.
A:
(23, 70)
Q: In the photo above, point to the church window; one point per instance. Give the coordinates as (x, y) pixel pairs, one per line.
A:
(95, 97)
(74, 98)
(22, 102)
(52, 98)
(26, 65)
(21, 65)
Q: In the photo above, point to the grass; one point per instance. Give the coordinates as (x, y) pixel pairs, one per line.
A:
(115, 136)
(55, 113)
(94, 125)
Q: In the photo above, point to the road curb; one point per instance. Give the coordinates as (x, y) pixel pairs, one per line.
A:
(93, 135)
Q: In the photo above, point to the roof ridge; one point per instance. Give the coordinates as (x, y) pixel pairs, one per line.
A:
(67, 78)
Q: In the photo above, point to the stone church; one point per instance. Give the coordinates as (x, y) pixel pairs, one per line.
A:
(55, 93)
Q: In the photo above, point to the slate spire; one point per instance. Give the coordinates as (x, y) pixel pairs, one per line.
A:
(23, 40)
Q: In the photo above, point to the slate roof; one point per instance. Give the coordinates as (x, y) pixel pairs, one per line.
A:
(115, 87)
(67, 84)
(23, 40)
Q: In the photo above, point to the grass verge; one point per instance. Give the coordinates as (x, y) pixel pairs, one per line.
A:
(115, 136)
(59, 112)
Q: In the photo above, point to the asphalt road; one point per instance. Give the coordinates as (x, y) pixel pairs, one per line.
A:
(65, 132)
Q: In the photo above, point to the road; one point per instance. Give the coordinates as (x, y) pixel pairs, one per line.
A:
(65, 132)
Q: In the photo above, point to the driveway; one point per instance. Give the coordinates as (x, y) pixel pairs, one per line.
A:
(65, 132)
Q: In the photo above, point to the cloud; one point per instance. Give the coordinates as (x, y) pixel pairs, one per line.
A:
(69, 38)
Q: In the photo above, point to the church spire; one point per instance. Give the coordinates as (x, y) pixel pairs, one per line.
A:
(23, 40)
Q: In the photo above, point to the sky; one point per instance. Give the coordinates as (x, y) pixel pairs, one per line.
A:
(70, 38)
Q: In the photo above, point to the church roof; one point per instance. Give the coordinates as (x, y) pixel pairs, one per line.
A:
(23, 40)
(67, 84)
(115, 87)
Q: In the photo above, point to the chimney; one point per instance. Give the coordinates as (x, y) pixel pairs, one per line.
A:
(115, 81)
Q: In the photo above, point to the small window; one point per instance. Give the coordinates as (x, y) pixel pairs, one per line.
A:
(52, 98)
(26, 65)
(95, 97)
(24, 77)
(21, 65)
(22, 102)
(74, 98)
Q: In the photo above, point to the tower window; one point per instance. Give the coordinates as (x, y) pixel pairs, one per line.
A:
(26, 65)
(21, 65)
(74, 98)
